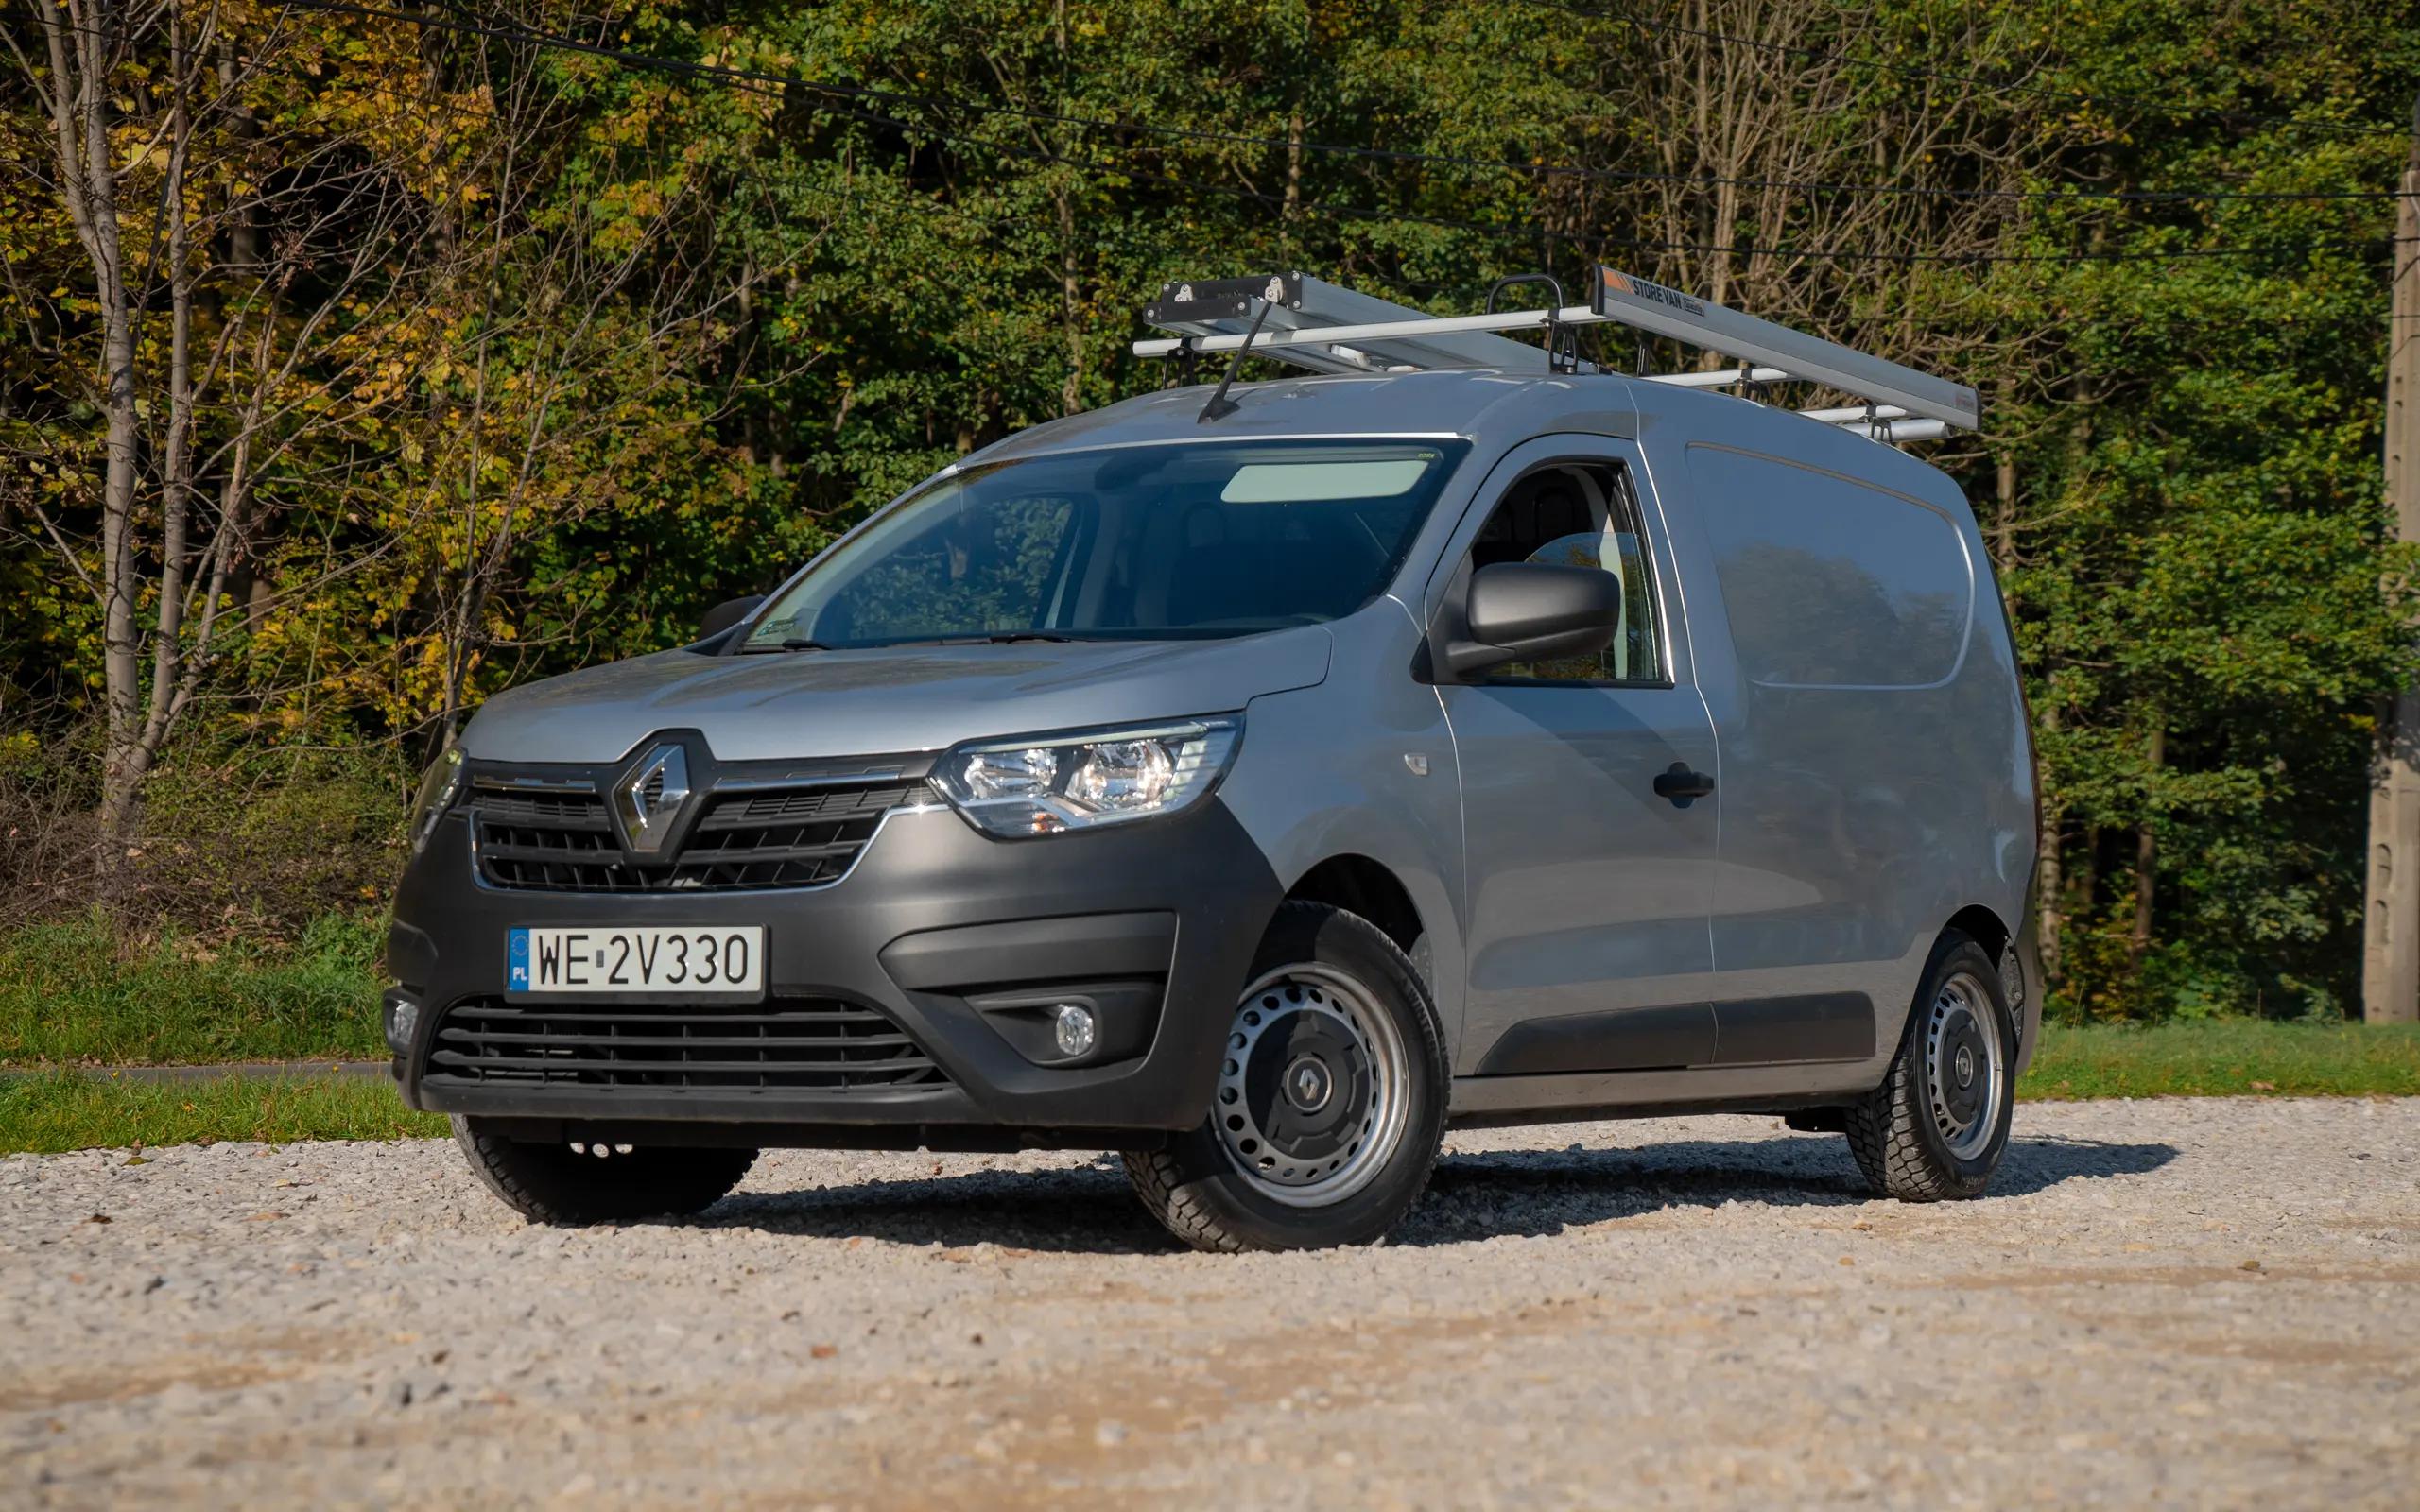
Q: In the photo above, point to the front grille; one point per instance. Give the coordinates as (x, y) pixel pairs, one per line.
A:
(779, 837)
(820, 1044)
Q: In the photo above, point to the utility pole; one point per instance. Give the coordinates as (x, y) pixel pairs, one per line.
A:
(2391, 921)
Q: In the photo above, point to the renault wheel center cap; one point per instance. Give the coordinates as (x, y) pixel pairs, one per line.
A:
(1307, 1085)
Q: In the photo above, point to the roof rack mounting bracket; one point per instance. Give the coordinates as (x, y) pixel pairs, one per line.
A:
(1563, 341)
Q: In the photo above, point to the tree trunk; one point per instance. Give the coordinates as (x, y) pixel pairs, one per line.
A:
(176, 469)
(2049, 876)
(80, 110)
(1071, 308)
(2004, 526)
(1070, 290)
(1293, 209)
(243, 214)
(2146, 862)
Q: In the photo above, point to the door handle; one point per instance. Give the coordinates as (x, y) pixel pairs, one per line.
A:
(1682, 785)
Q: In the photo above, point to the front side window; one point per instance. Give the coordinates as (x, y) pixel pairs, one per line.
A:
(1580, 514)
(1173, 541)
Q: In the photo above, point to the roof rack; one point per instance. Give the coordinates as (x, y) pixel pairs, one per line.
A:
(1330, 329)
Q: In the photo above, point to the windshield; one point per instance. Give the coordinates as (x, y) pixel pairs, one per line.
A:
(1203, 540)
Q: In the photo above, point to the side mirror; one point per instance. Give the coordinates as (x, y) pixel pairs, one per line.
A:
(1530, 611)
(726, 614)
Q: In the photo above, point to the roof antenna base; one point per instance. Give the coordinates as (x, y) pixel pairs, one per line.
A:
(1221, 406)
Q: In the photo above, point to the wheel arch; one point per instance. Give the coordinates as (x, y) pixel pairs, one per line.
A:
(1362, 885)
(2013, 951)
(1983, 927)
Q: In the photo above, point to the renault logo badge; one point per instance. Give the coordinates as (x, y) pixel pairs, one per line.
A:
(650, 798)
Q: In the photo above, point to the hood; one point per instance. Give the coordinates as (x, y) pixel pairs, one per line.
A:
(776, 706)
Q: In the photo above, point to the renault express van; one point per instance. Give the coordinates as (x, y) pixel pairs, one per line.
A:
(1261, 783)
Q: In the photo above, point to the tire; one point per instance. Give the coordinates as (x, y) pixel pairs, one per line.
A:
(1331, 1100)
(576, 1183)
(1924, 1135)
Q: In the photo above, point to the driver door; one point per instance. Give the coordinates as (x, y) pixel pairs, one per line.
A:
(1586, 891)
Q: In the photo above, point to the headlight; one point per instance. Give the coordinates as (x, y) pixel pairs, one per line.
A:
(1050, 783)
(437, 787)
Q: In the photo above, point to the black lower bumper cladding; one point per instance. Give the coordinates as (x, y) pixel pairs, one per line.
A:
(906, 1003)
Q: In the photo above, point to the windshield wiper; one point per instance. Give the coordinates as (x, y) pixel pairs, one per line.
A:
(799, 643)
(991, 638)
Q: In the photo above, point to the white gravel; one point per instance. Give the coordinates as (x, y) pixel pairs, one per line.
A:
(2202, 1303)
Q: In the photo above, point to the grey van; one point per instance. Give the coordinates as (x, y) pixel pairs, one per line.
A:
(1261, 797)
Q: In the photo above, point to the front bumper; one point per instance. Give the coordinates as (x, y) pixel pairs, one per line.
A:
(935, 919)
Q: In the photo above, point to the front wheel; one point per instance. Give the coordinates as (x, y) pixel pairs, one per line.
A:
(1331, 1098)
(1938, 1124)
(580, 1182)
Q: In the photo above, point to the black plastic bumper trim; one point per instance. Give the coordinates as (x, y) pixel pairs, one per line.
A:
(1656, 1039)
(1183, 901)
(1033, 949)
(1810, 1026)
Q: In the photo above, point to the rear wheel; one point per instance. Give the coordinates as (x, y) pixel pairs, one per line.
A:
(1938, 1124)
(583, 1183)
(1331, 1098)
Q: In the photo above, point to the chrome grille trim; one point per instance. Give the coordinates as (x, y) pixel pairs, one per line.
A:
(792, 829)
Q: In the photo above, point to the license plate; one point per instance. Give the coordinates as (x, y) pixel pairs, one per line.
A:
(727, 961)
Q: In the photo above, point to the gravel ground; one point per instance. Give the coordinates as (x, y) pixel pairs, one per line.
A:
(2212, 1302)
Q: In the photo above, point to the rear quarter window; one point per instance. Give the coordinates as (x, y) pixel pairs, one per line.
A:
(1828, 582)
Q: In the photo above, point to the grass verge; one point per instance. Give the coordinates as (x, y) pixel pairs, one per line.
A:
(74, 993)
(2224, 1057)
(303, 1009)
(50, 1112)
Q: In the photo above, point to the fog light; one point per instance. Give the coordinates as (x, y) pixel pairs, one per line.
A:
(1073, 1025)
(403, 1017)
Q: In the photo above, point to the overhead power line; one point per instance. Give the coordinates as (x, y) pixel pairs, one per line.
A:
(766, 79)
(759, 81)
(1976, 80)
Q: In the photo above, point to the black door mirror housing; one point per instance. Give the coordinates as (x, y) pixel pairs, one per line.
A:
(725, 615)
(1533, 612)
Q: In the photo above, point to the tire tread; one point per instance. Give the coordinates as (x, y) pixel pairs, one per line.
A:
(546, 1184)
(1886, 1133)
(1177, 1194)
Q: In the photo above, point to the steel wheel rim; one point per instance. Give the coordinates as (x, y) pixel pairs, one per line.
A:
(1965, 1066)
(1356, 1101)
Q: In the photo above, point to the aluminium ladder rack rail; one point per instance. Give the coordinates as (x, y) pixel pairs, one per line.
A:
(1324, 327)
(1653, 308)
(1312, 323)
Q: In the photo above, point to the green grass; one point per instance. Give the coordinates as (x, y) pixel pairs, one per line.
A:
(48, 1111)
(2223, 1057)
(71, 994)
(73, 1111)
(75, 994)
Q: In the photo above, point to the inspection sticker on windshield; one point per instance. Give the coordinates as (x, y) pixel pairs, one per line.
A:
(727, 961)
